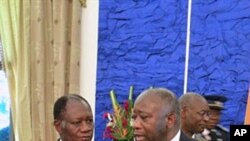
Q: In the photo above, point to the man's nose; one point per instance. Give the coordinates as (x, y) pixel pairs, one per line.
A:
(85, 127)
(206, 117)
(136, 123)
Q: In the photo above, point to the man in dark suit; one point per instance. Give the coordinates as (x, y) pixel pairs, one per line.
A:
(156, 116)
(184, 137)
(194, 113)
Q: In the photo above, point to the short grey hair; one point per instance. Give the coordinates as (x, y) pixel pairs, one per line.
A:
(168, 98)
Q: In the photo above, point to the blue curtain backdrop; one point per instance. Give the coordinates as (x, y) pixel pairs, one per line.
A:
(220, 53)
(142, 43)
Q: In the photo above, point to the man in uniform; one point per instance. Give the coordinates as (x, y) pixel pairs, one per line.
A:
(214, 131)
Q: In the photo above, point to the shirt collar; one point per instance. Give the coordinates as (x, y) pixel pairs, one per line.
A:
(177, 136)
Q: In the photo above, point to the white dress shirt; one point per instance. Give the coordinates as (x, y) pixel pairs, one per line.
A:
(177, 136)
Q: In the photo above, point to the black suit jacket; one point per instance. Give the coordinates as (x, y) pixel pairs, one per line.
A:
(219, 132)
(184, 137)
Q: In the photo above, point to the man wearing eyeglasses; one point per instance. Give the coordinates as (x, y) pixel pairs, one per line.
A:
(73, 118)
(194, 113)
(214, 131)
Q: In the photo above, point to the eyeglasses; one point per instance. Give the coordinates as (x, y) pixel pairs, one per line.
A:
(204, 113)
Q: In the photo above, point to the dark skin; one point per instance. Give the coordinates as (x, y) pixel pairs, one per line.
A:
(194, 115)
(152, 121)
(214, 118)
(76, 123)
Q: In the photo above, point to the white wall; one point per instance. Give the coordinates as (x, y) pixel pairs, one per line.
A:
(89, 45)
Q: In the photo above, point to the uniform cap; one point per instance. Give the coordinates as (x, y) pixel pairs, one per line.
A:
(216, 101)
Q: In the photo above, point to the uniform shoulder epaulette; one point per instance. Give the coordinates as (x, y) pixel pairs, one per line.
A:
(222, 128)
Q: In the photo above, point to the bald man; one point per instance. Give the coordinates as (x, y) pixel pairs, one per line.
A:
(73, 118)
(156, 116)
(194, 113)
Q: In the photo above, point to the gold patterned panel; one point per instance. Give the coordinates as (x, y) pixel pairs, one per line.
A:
(44, 65)
(83, 3)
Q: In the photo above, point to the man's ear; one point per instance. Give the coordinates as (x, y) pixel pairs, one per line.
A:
(171, 120)
(184, 112)
(59, 126)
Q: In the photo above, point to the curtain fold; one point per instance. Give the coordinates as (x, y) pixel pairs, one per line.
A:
(15, 38)
(41, 41)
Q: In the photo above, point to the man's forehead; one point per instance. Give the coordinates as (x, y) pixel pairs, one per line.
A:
(72, 103)
(194, 100)
(77, 107)
(148, 101)
(199, 103)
